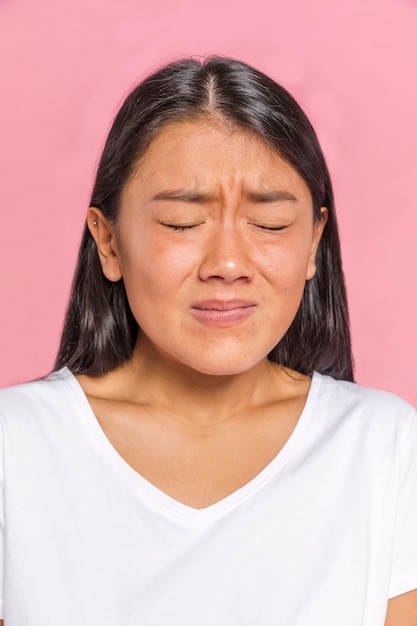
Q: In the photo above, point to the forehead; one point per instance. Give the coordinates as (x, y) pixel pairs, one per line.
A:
(205, 152)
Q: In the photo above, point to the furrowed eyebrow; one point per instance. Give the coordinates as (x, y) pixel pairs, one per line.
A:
(271, 196)
(182, 196)
(255, 196)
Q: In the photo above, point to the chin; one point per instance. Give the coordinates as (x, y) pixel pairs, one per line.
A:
(218, 359)
(224, 367)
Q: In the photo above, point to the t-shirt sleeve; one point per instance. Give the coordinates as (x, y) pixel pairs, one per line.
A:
(404, 564)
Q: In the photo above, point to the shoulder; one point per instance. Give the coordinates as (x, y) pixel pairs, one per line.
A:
(355, 404)
(366, 399)
(35, 398)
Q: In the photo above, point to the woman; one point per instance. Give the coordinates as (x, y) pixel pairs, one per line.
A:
(202, 456)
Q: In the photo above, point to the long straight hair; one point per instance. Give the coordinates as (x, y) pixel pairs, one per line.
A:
(99, 329)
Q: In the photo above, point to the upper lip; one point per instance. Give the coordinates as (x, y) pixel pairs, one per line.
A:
(222, 305)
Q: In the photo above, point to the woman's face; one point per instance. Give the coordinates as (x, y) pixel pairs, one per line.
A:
(214, 241)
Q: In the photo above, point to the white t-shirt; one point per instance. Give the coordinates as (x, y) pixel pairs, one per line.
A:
(321, 537)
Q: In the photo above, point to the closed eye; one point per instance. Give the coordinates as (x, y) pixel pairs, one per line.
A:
(180, 226)
(272, 228)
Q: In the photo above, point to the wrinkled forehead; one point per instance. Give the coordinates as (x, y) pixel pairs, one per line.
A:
(208, 161)
(212, 142)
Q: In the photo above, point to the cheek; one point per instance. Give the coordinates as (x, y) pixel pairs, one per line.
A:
(153, 270)
(285, 266)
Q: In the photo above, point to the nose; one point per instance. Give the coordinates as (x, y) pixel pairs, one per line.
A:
(226, 256)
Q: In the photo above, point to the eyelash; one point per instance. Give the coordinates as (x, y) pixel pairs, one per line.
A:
(272, 228)
(180, 227)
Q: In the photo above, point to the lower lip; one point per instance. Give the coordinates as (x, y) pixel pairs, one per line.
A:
(220, 318)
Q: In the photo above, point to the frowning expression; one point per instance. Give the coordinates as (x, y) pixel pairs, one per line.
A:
(215, 240)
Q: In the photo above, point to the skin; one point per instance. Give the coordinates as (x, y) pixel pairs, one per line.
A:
(211, 213)
(402, 610)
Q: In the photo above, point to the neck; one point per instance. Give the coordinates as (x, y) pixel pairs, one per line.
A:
(159, 381)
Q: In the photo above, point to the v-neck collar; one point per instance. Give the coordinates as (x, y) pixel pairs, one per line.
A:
(167, 503)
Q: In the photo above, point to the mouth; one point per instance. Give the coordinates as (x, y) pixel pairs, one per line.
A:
(222, 313)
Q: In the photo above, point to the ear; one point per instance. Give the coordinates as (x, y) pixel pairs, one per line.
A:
(319, 226)
(102, 231)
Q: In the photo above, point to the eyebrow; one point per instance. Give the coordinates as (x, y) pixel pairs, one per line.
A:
(183, 196)
(271, 196)
(255, 196)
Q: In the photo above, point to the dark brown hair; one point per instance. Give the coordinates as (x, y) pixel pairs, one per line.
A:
(99, 330)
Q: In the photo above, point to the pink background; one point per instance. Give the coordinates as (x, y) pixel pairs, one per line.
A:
(67, 65)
